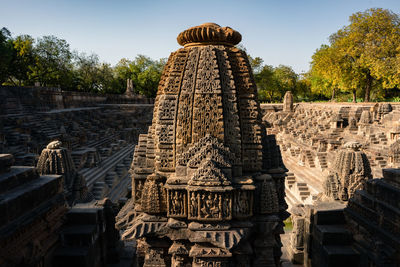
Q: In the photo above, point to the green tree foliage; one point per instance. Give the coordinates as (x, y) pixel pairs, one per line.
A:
(267, 85)
(144, 72)
(272, 83)
(50, 62)
(87, 72)
(22, 61)
(5, 54)
(256, 64)
(362, 57)
(53, 62)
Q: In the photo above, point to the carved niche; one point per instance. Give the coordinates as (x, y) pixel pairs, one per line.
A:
(210, 206)
(243, 203)
(176, 203)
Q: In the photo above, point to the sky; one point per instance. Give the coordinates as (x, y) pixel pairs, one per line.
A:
(279, 31)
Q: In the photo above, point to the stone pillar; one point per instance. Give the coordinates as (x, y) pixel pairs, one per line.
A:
(129, 88)
(288, 102)
(296, 249)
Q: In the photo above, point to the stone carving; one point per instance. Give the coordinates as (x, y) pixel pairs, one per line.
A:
(209, 33)
(200, 174)
(129, 88)
(177, 203)
(55, 159)
(153, 197)
(365, 117)
(296, 249)
(350, 172)
(394, 153)
(288, 102)
(384, 108)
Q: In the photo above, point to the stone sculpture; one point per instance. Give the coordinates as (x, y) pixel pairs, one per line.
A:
(349, 173)
(207, 182)
(288, 102)
(55, 159)
(129, 88)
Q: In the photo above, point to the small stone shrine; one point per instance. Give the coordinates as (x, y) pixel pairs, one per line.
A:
(350, 172)
(55, 159)
(207, 182)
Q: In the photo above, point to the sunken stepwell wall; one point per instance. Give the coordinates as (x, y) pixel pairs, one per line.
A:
(12, 99)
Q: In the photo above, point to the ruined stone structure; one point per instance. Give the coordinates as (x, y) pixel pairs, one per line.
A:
(208, 185)
(208, 181)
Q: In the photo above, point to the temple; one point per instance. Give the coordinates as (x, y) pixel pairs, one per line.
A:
(205, 190)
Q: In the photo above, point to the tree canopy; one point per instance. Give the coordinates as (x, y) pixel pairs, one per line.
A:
(49, 61)
(362, 57)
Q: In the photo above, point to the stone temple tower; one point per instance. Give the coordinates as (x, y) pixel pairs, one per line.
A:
(207, 182)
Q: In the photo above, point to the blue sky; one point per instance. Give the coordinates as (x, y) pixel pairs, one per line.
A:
(279, 31)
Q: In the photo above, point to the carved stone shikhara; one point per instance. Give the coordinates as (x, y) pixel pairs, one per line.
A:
(55, 159)
(207, 187)
(350, 172)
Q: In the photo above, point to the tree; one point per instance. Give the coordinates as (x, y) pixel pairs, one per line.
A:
(53, 62)
(144, 72)
(303, 87)
(256, 64)
(364, 54)
(5, 54)
(106, 78)
(267, 85)
(286, 78)
(22, 61)
(87, 76)
(324, 73)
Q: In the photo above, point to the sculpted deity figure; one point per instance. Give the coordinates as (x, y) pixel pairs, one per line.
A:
(193, 205)
(215, 207)
(177, 204)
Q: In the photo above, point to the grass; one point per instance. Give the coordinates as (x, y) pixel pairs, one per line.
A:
(288, 225)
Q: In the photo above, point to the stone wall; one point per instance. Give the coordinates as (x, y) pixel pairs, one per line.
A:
(19, 99)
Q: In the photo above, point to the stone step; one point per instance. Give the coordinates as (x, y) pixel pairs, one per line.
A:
(18, 175)
(329, 216)
(332, 235)
(93, 174)
(28, 195)
(337, 256)
(73, 256)
(79, 235)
